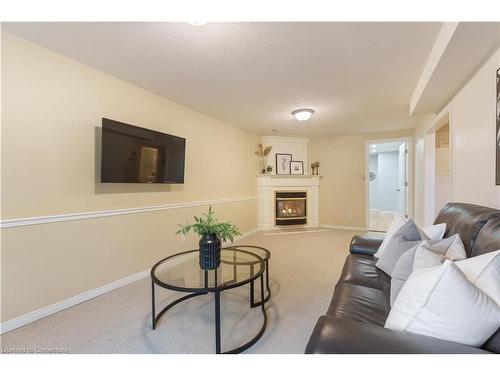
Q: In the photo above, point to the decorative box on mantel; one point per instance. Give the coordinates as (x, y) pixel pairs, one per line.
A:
(294, 208)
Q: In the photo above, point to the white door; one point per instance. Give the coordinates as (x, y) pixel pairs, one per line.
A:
(402, 185)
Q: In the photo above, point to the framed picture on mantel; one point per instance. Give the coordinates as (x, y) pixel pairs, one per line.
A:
(297, 167)
(283, 163)
(497, 140)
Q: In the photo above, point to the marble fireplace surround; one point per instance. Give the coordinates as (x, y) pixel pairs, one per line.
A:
(267, 185)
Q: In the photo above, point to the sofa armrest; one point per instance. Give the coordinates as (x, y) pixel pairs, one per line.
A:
(345, 336)
(365, 244)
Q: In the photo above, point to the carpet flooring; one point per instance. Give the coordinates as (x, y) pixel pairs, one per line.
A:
(303, 270)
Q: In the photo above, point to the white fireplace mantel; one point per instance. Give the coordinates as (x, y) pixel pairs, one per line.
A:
(267, 185)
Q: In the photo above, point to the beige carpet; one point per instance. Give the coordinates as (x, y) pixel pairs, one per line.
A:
(303, 270)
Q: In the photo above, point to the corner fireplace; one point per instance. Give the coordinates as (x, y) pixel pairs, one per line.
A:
(291, 208)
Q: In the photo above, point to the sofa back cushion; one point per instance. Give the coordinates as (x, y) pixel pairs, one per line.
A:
(488, 238)
(466, 220)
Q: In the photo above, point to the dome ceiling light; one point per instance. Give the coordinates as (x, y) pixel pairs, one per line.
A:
(197, 23)
(303, 114)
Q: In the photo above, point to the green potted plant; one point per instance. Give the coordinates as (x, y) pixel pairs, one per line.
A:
(211, 233)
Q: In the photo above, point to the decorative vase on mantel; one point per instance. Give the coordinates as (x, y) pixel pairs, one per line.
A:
(209, 251)
(262, 153)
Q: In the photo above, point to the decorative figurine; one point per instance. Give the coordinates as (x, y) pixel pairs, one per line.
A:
(315, 168)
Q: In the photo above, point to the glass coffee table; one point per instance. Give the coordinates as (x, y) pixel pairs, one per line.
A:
(182, 273)
(265, 255)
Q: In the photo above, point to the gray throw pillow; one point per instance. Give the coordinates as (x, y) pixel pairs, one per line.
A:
(426, 254)
(402, 240)
(402, 270)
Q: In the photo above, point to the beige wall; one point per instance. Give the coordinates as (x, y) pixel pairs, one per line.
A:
(51, 106)
(342, 165)
(44, 264)
(473, 132)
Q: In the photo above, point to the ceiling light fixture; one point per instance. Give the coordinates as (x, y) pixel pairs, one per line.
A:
(198, 23)
(303, 114)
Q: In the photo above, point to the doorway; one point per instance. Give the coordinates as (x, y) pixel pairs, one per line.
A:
(442, 182)
(387, 182)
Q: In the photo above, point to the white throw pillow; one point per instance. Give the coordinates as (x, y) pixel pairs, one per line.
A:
(484, 272)
(397, 222)
(434, 232)
(441, 302)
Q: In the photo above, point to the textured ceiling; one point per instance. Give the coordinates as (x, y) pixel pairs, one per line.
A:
(358, 77)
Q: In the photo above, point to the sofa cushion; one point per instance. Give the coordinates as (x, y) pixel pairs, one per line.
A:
(359, 303)
(360, 270)
(345, 336)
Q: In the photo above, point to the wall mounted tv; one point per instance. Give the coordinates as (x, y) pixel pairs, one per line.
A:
(130, 154)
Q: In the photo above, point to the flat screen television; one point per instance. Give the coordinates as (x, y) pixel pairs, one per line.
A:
(130, 154)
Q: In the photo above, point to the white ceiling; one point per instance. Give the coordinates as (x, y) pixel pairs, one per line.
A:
(358, 77)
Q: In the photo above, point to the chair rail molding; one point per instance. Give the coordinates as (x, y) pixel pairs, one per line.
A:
(20, 222)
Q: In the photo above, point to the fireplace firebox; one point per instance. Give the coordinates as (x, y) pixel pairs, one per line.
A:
(291, 208)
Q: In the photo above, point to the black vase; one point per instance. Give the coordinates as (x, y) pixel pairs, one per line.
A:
(209, 252)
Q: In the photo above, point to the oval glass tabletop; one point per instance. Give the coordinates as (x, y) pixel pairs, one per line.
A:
(182, 271)
(260, 251)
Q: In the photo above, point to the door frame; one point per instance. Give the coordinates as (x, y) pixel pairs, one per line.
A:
(409, 177)
(430, 162)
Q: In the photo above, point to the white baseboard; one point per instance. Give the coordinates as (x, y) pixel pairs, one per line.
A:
(69, 302)
(246, 234)
(83, 297)
(298, 231)
(343, 227)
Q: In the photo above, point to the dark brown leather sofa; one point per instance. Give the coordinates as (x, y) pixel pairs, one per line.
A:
(354, 322)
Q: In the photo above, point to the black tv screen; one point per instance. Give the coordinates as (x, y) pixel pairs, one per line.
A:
(131, 154)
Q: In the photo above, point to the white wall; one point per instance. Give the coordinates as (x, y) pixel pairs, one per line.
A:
(421, 161)
(472, 134)
(387, 198)
(419, 181)
(442, 192)
(298, 147)
(373, 166)
(382, 194)
(473, 131)
(442, 178)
